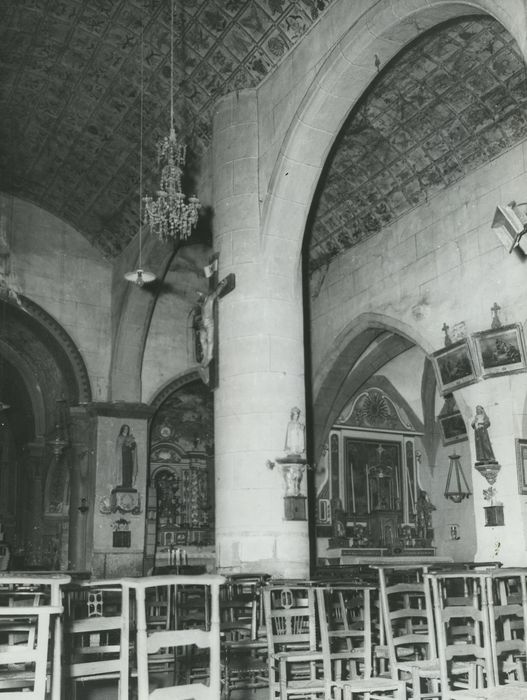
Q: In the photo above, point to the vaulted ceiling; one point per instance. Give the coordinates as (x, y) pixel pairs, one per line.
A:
(70, 75)
(450, 102)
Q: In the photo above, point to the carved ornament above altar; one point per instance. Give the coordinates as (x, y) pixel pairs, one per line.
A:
(373, 409)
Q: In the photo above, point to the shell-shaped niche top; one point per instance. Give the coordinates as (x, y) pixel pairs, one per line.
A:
(375, 410)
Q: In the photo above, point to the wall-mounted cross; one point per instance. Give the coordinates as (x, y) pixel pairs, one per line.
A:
(207, 323)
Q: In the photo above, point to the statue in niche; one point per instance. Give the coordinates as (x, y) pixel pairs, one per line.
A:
(295, 439)
(125, 458)
(480, 424)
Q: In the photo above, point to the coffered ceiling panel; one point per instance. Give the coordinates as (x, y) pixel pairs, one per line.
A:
(452, 101)
(70, 76)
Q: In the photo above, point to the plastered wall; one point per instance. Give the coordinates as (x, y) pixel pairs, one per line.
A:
(59, 270)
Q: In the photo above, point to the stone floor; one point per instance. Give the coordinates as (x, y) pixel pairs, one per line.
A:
(108, 691)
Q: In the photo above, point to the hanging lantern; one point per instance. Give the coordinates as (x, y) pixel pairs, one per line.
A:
(457, 488)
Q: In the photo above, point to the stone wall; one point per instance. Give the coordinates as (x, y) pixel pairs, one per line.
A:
(444, 259)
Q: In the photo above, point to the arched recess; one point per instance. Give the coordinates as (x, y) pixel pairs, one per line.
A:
(364, 43)
(41, 373)
(363, 347)
(180, 498)
(133, 314)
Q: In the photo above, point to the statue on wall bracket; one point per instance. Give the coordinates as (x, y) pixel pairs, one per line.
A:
(294, 461)
(486, 463)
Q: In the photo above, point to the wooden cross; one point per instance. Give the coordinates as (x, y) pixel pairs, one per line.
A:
(207, 327)
(496, 323)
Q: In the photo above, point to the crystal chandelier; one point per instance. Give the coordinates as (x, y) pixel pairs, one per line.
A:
(170, 216)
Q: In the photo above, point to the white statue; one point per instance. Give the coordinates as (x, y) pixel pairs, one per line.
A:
(295, 439)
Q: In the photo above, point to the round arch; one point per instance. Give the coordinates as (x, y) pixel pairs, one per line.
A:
(172, 385)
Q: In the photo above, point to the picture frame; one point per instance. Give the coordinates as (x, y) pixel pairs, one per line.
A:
(521, 465)
(455, 366)
(453, 428)
(500, 350)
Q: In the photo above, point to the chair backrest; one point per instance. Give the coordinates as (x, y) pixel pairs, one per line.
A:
(290, 617)
(462, 625)
(97, 632)
(348, 628)
(24, 665)
(173, 636)
(26, 588)
(507, 598)
(292, 626)
(407, 614)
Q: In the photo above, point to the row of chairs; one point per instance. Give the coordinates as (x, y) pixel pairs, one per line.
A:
(418, 633)
(456, 633)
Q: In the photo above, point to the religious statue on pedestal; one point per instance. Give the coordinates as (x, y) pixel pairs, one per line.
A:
(295, 439)
(480, 424)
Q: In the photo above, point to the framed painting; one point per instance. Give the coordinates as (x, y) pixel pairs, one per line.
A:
(500, 350)
(454, 366)
(453, 428)
(521, 465)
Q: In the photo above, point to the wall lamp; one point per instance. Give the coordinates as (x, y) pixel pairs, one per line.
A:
(509, 224)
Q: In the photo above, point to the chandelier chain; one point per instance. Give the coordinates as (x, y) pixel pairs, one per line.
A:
(170, 216)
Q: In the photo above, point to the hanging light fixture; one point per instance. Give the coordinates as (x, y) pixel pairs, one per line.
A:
(169, 216)
(456, 488)
(140, 276)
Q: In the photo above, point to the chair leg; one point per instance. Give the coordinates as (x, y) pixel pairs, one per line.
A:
(416, 685)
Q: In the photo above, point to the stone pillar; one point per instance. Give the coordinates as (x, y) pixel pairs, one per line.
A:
(82, 488)
(503, 400)
(261, 362)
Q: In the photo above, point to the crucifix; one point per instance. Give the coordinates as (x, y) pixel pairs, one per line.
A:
(206, 323)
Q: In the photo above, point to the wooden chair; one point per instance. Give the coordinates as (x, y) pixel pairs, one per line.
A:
(24, 667)
(463, 627)
(408, 622)
(297, 665)
(150, 641)
(244, 643)
(97, 635)
(346, 638)
(507, 598)
(33, 588)
(347, 610)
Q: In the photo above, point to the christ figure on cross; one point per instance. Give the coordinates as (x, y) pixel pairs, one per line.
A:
(206, 323)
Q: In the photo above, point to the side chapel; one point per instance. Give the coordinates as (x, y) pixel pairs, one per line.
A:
(362, 173)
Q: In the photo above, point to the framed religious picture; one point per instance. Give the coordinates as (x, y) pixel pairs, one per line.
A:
(453, 428)
(521, 465)
(454, 366)
(500, 350)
